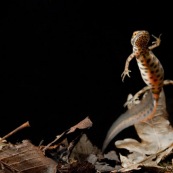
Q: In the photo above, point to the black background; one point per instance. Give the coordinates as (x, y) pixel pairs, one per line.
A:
(61, 61)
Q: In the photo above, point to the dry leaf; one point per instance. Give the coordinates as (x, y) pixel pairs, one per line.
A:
(103, 167)
(83, 149)
(2, 143)
(85, 123)
(25, 158)
(112, 155)
(156, 140)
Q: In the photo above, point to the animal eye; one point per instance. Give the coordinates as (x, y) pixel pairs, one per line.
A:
(135, 33)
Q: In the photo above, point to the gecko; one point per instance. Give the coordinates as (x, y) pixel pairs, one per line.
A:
(152, 73)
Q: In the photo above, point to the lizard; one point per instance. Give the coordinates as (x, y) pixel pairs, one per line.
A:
(152, 73)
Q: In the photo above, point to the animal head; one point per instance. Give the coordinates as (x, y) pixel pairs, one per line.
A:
(140, 39)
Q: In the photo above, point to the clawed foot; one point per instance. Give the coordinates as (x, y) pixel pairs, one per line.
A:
(134, 100)
(131, 101)
(158, 40)
(125, 72)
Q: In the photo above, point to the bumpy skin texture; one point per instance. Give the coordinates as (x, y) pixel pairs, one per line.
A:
(153, 75)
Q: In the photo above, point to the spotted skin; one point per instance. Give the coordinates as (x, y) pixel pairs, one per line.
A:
(153, 75)
(150, 67)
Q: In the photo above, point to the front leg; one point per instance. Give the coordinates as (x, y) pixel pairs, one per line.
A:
(155, 43)
(126, 69)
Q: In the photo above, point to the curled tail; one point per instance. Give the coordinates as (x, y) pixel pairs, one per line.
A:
(140, 112)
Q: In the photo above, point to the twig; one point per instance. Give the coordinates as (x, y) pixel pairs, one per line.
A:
(56, 139)
(26, 124)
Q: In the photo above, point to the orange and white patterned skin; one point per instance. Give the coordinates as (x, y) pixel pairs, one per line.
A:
(153, 75)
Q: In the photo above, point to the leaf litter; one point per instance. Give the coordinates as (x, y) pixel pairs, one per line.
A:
(156, 143)
(80, 155)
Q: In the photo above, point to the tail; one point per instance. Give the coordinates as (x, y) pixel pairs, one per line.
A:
(140, 112)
